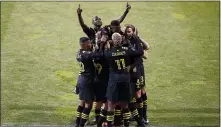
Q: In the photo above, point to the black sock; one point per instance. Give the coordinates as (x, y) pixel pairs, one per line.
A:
(144, 97)
(110, 118)
(79, 111)
(102, 118)
(85, 116)
(134, 112)
(126, 117)
(97, 114)
(140, 107)
(117, 116)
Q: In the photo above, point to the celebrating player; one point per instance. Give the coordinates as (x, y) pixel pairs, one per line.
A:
(138, 80)
(119, 78)
(86, 80)
(97, 23)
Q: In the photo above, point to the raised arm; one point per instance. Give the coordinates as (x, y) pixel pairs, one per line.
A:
(81, 21)
(121, 19)
(136, 53)
(145, 45)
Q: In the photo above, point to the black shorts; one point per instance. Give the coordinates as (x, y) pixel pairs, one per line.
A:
(119, 88)
(135, 73)
(100, 90)
(135, 80)
(86, 88)
(142, 76)
(135, 86)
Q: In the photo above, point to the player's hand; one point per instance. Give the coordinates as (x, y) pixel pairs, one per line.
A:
(128, 7)
(79, 10)
(103, 38)
(76, 89)
(107, 46)
(145, 56)
(128, 68)
(96, 47)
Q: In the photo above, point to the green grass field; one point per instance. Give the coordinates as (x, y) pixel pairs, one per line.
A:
(39, 41)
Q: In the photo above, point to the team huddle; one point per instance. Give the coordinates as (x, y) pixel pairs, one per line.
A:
(112, 73)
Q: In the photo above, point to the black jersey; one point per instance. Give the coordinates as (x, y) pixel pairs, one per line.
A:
(85, 59)
(119, 58)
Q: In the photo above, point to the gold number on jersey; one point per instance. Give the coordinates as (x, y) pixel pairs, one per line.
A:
(141, 80)
(120, 64)
(99, 68)
(81, 66)
(138, 83)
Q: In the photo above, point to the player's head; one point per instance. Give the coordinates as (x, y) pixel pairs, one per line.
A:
(117, 39)
(129, 31)
(96, 21)
(115, 26)
(85, 43)
(101, 35)
(104, 35)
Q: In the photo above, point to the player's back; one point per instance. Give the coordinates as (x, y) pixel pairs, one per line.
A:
(102, 68)
(118, 60)
(86, 64)
(134, 41)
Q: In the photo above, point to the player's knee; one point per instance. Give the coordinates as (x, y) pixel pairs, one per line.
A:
(105, 106)
(123, 104)
(143, 90)
(138, 94)
(111, 106)
(82, 104)
(88, 105)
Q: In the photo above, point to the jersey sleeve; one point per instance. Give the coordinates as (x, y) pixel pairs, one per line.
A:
(89, 55)
(145, 45)
(138, 51)
(84, 27)
(90, 33)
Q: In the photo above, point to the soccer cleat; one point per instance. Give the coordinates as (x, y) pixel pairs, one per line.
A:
(86, 122)
(145, 121)
(94, 120)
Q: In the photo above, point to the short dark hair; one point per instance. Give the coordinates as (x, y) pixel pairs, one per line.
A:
(115, 23)
(104, 31)
(83, 39)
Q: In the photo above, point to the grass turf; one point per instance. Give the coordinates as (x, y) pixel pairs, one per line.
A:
(40, 40)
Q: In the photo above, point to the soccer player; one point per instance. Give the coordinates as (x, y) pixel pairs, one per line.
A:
(97, 23)
(135, 72)
(86, 77)
(146, 47)
(112, 28)
(102, 76)
(119, 90)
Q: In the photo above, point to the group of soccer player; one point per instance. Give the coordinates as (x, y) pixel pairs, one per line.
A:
(112, 73)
